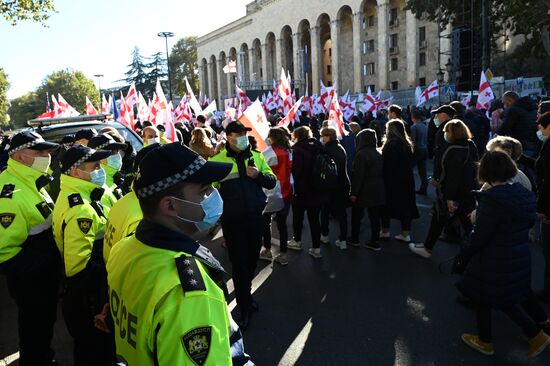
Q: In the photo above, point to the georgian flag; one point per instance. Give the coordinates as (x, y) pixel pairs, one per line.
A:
(430, 92)
(485, 93)
(132, 96)
(335, 117)
(369, 104)
(254, 118)
(285, 122)
(105, 107)
(90, 109)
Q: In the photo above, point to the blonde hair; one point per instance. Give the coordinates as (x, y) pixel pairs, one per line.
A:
(395, 130)
(457, 130)
(199, 138)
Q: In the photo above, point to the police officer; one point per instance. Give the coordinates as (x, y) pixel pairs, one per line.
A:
(28, 256)
(114, 180)
(78, 225)
(126, 213)
(244, 201)
(84, 135)
(167, 296)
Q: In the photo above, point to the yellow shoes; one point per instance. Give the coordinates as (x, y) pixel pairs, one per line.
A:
(538, 343)
(477, 344)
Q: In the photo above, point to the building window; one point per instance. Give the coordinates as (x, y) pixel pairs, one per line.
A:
(422, 81)
(364, 48)
(370, 21)
(370, 68)
(329, 69)
(370, 46)
(421, 34)
(330, 52)
(394, 64)
(393, 40)
(422, 59)
(394, 85)
(393, 17)
(372, 87)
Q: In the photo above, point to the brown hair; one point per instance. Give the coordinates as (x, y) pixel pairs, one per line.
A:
(395, 130)
(199, 138)
(544, 120)
(496, 166)
(302, 133)
(509, 145)
(456, 130)
(330, 132)
(279, 138)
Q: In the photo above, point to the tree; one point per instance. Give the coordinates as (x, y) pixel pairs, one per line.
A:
(25, 108)
(157, 70)
(183, 62)
(517, 16)
(74, 86)
(4, 102)
(137, 71)
(17, 10)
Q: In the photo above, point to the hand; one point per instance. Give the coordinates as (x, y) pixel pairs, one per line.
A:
(353, 199)
(252, 171)
(452, 206)
(99, 320)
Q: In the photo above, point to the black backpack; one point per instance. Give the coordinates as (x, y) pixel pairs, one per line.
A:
(325, 173)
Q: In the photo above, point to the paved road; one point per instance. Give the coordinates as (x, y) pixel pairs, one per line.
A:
(353, 307)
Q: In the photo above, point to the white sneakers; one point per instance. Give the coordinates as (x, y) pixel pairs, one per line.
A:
(315, 252)
(406, 239)
(295, 245)
(384, 235)
(342, 244)
(325, 239)
(266, 255)
(420, 250)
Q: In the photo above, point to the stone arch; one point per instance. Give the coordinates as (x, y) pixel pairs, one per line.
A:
(213, 90)
(287, 51)
(271, 63)
(256, 73)
(222, 91)
(323, 22)
(243, 69)
(345, 52)
(305, 54)
(205, 76)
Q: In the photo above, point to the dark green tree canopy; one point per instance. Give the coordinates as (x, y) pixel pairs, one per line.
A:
(15, 11)
(4, 102)
(183, 62)
(137, 70)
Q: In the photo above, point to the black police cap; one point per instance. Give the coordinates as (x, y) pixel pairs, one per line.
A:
(170, 164)
(105, 142)
(29, 140)
(79, 154)
(236, 127)
(85, 133)
(445, 109)
(142, 153)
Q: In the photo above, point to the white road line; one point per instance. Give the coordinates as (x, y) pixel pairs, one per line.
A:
(260, 278)
(9, 359)
(297, 346)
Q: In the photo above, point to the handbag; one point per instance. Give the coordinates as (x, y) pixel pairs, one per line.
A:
(275, 202)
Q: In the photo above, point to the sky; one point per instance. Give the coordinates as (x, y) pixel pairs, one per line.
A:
(97, 37)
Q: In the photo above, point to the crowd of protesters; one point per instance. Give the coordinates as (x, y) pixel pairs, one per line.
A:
(490, 182)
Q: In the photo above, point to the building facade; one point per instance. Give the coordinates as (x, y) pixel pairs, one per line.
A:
(350, 44)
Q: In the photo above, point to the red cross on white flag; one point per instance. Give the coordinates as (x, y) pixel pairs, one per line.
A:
(254, 117)
(485, 93)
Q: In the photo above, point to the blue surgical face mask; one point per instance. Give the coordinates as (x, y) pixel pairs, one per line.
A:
(212, 206)
(541, 136)
(436, 122)
(242, 142)
(98, 177)
(115, 161)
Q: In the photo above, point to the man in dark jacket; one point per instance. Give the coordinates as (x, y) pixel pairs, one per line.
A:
(520, 122)
(442, 115)
(244, 202)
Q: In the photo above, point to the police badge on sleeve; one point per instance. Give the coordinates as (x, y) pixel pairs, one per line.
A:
(84, 225)
(6, 219)
(197, 344)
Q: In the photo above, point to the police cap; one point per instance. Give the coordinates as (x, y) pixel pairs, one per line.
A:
(79, 154)
(105, 142)
(29, 140)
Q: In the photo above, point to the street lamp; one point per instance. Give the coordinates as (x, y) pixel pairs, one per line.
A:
(99, 76)
(440, 75)
(167, 35)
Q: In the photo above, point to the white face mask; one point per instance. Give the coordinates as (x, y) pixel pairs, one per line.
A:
(41, 163)
(541, 136)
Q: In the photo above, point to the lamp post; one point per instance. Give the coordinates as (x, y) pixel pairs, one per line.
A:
(440, 75)
(167, 35)
(99, 76)
(449, 68)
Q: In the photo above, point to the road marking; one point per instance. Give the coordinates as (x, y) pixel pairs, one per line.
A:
(9, 359)
(297, 346)
(260, 278)
(402, 354)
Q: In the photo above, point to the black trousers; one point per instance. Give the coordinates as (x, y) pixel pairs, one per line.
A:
(516, 313)
(420, 157)
(298, 212)
(82, 300)
(33, 282)
(280, 219)
(243, 237)
(438, 223)
(375, 216)
(339, 212)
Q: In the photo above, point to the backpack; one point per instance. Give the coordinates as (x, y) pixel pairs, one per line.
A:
(325, 173)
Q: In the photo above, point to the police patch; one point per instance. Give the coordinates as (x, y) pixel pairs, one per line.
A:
(85, 225)
(6, 219)
(197, 344)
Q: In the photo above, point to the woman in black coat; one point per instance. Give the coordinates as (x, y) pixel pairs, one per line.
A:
(542, 167)
(398, 161)
(496, 265)
(367, 188)
(338, 198)
(305, 152)
(458, 180)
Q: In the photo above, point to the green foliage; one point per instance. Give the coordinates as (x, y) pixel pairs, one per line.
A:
(183, 62)
(26, 107)
(137, 70)
(4, 102)
(74, 86)
(38, 11)
(524, 61)
(157, 70)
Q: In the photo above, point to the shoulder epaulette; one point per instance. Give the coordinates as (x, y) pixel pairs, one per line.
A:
(7, 191)
(190, 275)
(75, 200)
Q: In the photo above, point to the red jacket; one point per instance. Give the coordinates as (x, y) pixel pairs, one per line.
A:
(280, 161)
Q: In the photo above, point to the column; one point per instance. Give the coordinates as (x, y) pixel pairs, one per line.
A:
(278, 58)
(219, 72)
(296, 46)
(211, 91)
(412, 49)
(383, 65)
(202, 75)
(315, 59)
(251, 63)
(445, 44)
(334, 36)
(264, 64)
(230, 89)
(357, 19)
